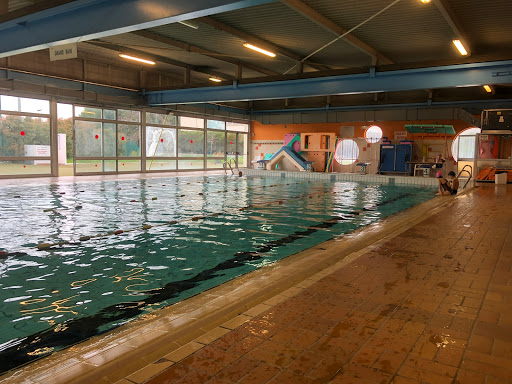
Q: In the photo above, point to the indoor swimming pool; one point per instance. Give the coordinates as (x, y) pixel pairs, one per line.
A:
(79, 259)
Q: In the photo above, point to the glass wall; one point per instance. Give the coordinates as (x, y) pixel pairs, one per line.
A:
(65, 139)
(237, 143)
(226, 141)
(242, 149)
(111, 141)
(107, 140)
(24, 136)
(161, 142)
(97, 140)
(215, 144)
(129, 141)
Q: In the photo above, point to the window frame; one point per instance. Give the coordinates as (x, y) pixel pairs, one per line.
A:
(371, 140)
(23, 159)
(348, 160)
(107, 124)
(455, 147)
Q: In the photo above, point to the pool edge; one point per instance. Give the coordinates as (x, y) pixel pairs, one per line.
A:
(136, 346)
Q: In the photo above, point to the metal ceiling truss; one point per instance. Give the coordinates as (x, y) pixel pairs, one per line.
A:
(65, 83)
(83, 20)
(462, 75)
(249, 38)
(162, 59)
(334, 28)
(453, 22)
(205, 52)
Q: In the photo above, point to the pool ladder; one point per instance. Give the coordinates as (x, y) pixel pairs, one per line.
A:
(227, 165)
(470, 173)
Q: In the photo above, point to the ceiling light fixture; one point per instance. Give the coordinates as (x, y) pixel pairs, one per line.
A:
(460, 47)
(260, 50)
(426, 1)
(488, 88)
(136, 59)
(215, 80)
(189, 24)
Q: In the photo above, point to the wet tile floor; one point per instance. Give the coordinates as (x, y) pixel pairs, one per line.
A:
(433, 305)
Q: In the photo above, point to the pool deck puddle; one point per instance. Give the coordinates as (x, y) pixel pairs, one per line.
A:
(422, 296)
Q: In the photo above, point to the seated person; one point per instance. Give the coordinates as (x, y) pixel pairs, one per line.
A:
(453, 181)
(444, 188)
(439, 160)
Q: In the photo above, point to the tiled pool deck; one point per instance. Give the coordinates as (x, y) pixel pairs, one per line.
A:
(430, 306)
(423, 297)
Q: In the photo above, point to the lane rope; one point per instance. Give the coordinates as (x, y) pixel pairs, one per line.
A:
(46, 246)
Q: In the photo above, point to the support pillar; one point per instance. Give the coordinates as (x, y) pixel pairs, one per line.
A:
(143, 142)
(54, 138)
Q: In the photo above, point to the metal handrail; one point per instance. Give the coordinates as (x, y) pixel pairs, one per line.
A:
(470, 173)
(228, 164)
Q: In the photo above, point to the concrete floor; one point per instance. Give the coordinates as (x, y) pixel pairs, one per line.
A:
(422, 297)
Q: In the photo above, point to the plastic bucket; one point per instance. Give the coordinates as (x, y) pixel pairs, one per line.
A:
(501, 178)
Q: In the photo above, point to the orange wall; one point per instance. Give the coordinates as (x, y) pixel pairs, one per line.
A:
(277, 131)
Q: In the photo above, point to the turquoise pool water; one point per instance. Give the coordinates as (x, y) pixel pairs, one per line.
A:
(221, 227)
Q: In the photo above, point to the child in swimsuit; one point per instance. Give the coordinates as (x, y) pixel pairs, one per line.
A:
(444, 188)
(453, 182)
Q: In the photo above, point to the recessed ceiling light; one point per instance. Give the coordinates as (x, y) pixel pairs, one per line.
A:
(460, 47)
(138, 59)
(215, 80)
(260, 50)
(488, 88)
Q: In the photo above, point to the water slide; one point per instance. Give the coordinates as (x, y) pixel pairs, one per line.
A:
(288, 153)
